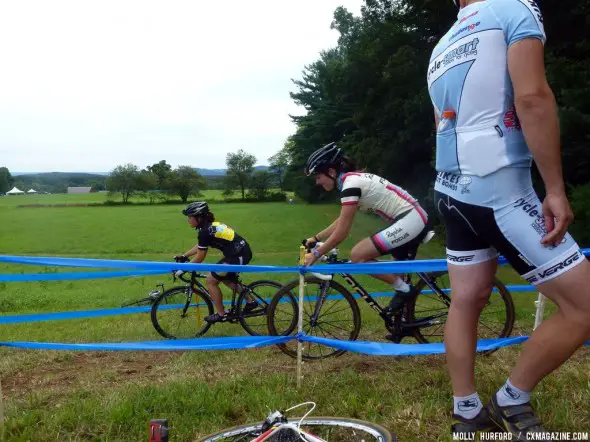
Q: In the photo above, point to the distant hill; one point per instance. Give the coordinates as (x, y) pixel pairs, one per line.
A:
(204, 172)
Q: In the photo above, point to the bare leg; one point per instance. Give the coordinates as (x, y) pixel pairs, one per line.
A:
(237, 288)
(471, 287)
(365, 251)
(215, 293)
(557, 338)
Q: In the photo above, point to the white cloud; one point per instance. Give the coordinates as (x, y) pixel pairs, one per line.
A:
(88, 85)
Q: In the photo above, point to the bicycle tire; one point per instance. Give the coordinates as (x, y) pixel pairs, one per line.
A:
(356, 315)
(498, 285)
(249, 431)
(203, 299)
(249, 327)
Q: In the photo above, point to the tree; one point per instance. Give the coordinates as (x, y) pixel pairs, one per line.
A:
(161, 170)
(5, 180)
(184, 181)
(279, 163)
(147, 184)
(260, 183)
(240, 166)
(124, 180)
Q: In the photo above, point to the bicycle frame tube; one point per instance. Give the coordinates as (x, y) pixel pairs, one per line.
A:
(428, 281)
(365, 295)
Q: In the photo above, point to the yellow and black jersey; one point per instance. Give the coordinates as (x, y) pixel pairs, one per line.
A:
(221, 237)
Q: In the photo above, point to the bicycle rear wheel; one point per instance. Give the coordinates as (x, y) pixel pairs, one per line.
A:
(254, 321)
(496, 320)
(174, 319)
(327, 428)
(339, 317)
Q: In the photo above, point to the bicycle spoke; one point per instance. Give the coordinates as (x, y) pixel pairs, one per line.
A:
(493, 331)
(326, 313)
(326, 331)
(335, 326)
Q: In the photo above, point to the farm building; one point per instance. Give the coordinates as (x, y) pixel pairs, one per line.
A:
(80, 190)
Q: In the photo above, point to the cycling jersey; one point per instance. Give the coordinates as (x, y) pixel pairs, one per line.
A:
(221, 237)
(483, 189)
(374, 194)
(471, 90)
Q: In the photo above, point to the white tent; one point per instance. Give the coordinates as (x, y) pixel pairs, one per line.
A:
(32, 191)
(14, 191)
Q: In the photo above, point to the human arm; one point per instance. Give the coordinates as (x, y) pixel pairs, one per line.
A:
(338, 235)
(537, 111)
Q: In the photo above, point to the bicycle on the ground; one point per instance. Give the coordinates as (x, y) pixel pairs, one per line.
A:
(148, 300)
(277, 428)
(179, 312)
(331, 311)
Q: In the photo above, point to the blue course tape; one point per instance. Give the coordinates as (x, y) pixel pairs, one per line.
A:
(243, 342)
(428, 265)
(77, 275)
(146, 265)
(58, 316)
(230, 343)
(383, 349)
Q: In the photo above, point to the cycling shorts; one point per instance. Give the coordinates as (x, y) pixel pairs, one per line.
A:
(511, 222)
(403, 237)
(243, 258)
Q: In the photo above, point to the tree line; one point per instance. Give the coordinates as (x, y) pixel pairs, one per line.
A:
(369, 93)
(159, 180)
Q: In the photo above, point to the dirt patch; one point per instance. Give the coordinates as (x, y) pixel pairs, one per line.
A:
(75, 370)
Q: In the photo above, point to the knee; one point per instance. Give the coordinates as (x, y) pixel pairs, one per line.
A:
(212, 281)
(356, 256)
(475, 299)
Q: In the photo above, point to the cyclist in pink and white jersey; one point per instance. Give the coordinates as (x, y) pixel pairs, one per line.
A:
(408, 222)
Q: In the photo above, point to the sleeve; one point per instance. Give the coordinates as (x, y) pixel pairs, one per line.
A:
(204, 239)
(351, 192)
(520, 19)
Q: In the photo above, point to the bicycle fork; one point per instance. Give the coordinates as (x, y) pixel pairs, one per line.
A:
(313, 319)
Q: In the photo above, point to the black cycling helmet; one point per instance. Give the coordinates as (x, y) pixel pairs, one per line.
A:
(198, 208)
(322, 159)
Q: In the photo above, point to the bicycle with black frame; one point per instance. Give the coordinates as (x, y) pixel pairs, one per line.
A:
(331, 311)
(179, 312)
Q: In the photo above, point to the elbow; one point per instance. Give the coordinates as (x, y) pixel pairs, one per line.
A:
(537, 101)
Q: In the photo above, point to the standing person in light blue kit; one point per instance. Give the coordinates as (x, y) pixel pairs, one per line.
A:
(494, 113)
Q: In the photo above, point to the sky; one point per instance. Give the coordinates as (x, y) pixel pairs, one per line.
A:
(88, 85)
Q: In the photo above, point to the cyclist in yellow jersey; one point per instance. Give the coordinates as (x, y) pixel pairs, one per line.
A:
(235, 251)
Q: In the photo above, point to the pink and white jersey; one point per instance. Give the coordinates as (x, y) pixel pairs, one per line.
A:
(374, 194)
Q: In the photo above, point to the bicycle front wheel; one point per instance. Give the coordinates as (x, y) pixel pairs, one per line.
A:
(338, 318)
(179, 313)
(326, 428)
(254, 321)
(496, 320)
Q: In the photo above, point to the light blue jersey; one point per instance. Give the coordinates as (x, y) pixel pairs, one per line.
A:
(470, 88)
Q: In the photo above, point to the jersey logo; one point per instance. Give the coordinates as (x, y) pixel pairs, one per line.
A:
(224, 232)
(445, 61)
(536, 11)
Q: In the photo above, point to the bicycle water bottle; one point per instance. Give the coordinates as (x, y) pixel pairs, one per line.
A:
(447, 120)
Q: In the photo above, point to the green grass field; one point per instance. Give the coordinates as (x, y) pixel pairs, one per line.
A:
(55, 395)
